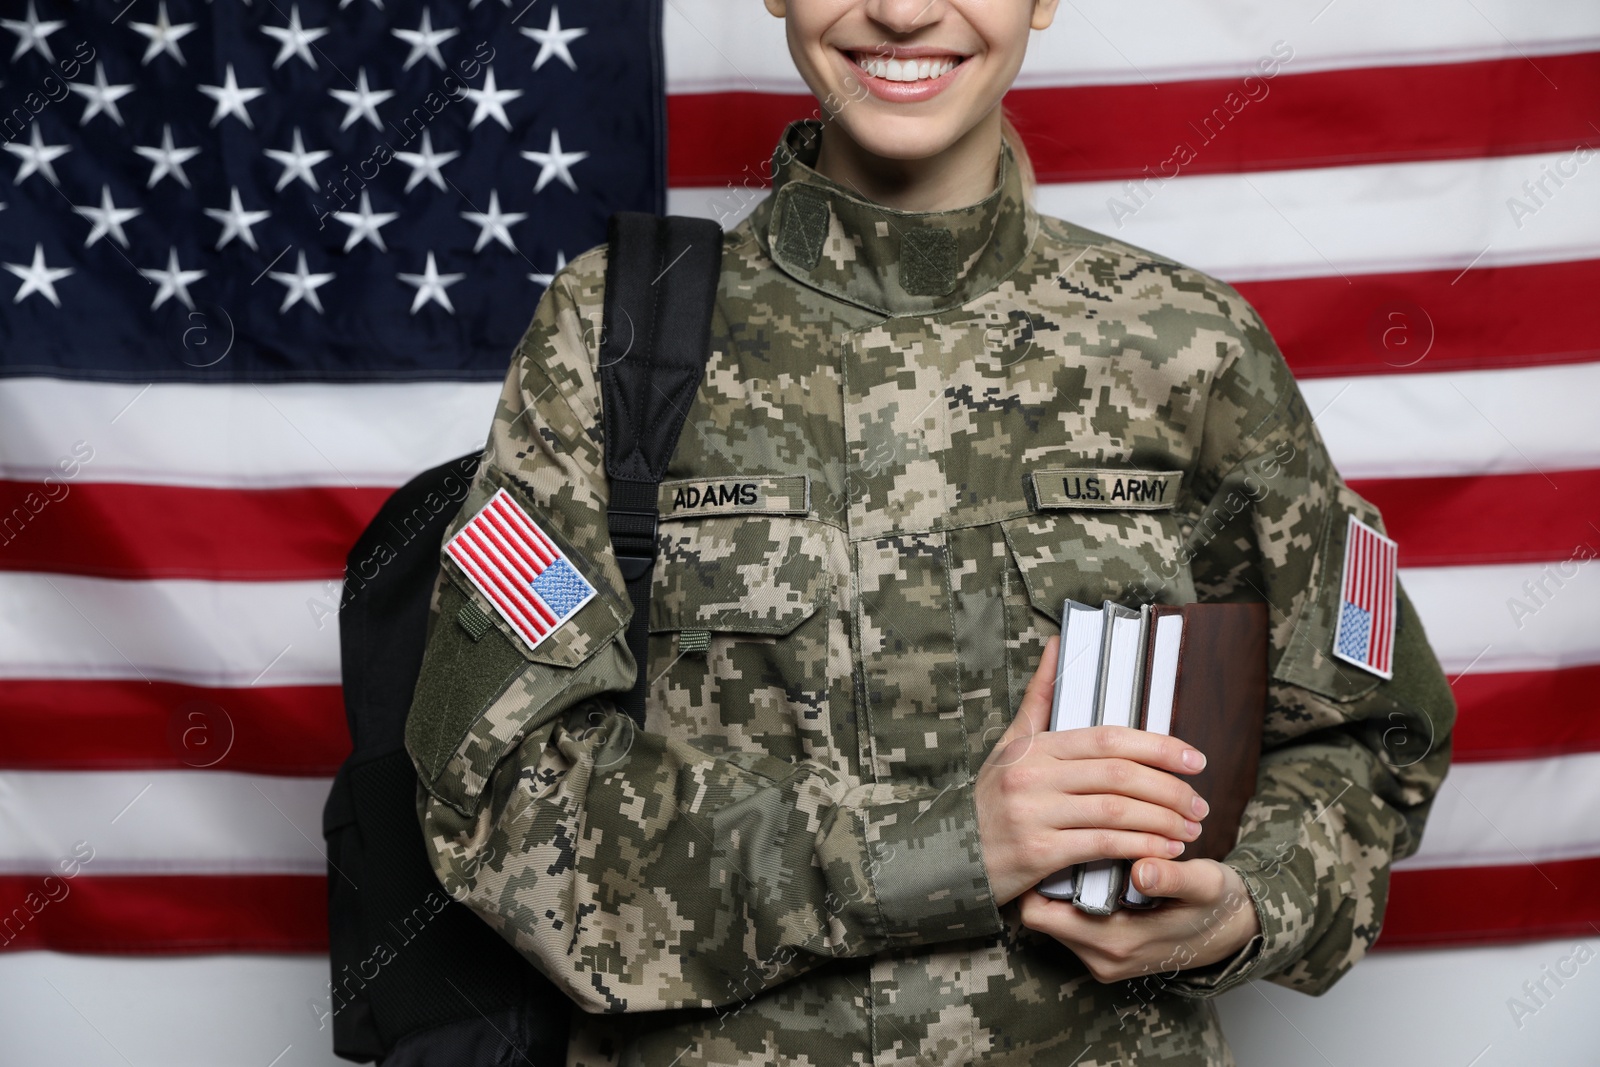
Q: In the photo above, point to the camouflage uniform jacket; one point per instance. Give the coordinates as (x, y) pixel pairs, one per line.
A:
(866, 539)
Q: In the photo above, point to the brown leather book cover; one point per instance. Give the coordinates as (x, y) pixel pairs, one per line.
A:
(1218, 707)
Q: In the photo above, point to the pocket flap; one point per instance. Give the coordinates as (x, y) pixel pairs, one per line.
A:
(739, 574)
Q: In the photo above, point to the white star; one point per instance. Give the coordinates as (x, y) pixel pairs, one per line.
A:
(496, 225)
(100, 96)
(425, 41)
(37, 156)
(295, 39)
(163, 36)
(173, 281)
(297, 162)
(426, 163)
(231, 99)
(107, 218)
(37, 277)
(553, 40)
(491, 102)
(301, 285)
(166, 159)
(431, 285)
(554, 164)
(31, 35)
(236, 221)
(545, 279)
(361, 101)
(365, 224)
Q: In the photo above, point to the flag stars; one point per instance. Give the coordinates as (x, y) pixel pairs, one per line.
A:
(100, 96)
(296, 162)
(163, 36)
(172, 282)
(32, 34)
(294, 39)
(426, 163)
(365, 224)
(554, 164)
(107, 219)
(301, 285)
(37, 157)
(37, 277)
(361, 102)
(491, 102)
(431, 286)
(494, 224)
(166, 159)
(425, 41)
(546, 279)
(237, 222)
(231, 99)
(553, 40)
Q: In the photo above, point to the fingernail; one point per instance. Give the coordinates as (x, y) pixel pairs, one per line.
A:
(1147, 879)
(1192, 826)
(1194, 759)
(1174, 848)
(1200, 807)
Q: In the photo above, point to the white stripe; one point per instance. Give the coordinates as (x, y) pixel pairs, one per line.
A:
(1473, 617)
(267, 633)
(1513, 812)
(249, 436)
(1520, 421)
(200, 633)
(156, 822)
(1318, 222)
(713, 45)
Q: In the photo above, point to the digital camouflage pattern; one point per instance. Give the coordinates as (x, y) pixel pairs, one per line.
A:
(785, 864)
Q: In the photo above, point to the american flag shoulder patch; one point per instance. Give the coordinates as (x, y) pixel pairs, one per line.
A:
(530, 582)
(1364, 635)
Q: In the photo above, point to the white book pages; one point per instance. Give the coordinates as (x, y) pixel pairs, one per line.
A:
(1163, 690)
(1077, 674)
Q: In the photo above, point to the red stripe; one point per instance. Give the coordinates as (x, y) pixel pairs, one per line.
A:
(1526, 714)
(494, 585)
(164, 914)
(1536, 315)
(529, 529)
(1316, 119)
(487, 534)
(1465, 905)
(1486, 519)
(52, 724)
(113, 530)
(479, 543)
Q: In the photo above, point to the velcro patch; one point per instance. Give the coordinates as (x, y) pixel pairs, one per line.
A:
(1364, 635)
(1109, 490)
(529, 581)
(695, 497)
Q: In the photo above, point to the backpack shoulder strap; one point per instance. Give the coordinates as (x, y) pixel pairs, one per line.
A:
(661, 286)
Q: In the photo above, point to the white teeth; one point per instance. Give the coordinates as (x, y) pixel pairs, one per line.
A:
(905, 70)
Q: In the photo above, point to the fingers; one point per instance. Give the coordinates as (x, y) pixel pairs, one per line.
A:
(1123, 742)
(1034, 714)
(1127, 779)
(1111, 811)
(1197, 881)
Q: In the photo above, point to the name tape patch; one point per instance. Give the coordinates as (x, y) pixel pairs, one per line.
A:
(1364, 635)
(530, 582)
(1110, 490)
(689, 497)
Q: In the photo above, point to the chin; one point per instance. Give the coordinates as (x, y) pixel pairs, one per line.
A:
(898, 137)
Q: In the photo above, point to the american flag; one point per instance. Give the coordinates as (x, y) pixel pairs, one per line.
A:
(265, 261)
(1364, 634)
(518, 567)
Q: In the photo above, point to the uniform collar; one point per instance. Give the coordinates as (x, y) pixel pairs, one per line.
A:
(895, 262)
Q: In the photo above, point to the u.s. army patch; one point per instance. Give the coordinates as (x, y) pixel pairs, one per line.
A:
(1364, 635)
(1109, 490)
(529, 581)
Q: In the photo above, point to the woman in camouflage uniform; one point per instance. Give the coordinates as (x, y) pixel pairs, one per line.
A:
(821, 846)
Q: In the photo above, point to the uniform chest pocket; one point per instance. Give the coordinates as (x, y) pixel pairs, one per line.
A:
(741, 635)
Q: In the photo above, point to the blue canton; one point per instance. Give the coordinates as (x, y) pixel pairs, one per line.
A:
(1355, 632)
(562, 587)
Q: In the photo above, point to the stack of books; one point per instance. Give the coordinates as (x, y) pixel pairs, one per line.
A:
(1197, 672)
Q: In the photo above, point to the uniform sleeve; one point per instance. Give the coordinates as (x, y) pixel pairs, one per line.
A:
(1350, 762)
(635, 870)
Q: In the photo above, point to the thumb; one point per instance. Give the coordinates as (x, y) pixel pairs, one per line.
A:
(1033, 716)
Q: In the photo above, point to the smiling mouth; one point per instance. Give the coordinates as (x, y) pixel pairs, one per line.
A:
(924, 68)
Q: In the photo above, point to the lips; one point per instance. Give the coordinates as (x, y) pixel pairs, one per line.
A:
(907, 68)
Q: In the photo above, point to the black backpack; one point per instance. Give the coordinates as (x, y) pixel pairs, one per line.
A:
(418, 980)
